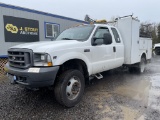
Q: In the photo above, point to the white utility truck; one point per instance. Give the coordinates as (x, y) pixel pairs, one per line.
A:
(77, 54)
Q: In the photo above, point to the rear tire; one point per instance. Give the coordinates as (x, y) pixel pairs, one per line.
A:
(141, 65)
(157, 51)
(69, 88)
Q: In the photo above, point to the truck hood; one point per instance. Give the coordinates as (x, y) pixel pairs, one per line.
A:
(156, 45)
(49, 45)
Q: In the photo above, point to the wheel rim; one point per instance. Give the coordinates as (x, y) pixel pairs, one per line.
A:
(73, 88)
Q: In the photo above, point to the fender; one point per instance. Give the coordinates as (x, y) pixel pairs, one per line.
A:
(73, 55)
(143, 52)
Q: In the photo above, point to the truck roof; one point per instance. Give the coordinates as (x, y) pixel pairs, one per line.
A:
(105, 25)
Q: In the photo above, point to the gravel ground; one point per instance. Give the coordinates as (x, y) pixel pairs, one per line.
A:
(118, 96)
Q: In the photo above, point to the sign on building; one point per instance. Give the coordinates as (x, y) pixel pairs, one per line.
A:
(20, 29)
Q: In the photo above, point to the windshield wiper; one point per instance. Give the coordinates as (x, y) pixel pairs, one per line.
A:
(67, 39)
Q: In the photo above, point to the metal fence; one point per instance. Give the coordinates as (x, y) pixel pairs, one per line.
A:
(3, 61)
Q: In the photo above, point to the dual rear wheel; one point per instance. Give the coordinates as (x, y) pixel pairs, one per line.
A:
(139, 67)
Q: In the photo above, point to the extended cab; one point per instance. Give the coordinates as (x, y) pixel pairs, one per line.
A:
(77, 54)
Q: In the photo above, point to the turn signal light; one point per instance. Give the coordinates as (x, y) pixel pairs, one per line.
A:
(50, 64)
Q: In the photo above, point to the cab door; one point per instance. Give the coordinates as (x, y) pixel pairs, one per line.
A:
(103, 56)
(119, 48)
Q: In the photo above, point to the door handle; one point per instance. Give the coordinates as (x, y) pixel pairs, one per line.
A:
(114, 49)
(86, 50)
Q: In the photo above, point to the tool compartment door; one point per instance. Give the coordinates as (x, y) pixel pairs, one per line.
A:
(135, 51)
(143, 44)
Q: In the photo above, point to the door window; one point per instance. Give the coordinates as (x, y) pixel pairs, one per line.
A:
(116, 35)
(99, 35)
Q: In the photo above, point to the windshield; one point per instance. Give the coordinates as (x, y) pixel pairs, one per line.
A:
(76, 33)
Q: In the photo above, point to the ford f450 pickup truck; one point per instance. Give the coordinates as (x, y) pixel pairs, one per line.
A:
(77, 54)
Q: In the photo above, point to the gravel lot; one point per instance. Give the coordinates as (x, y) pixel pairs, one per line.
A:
(118, 96)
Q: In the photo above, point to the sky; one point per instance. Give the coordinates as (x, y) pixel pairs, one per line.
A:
(145, 10)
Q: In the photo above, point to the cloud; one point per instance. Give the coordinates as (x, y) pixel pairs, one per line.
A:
(145, 10)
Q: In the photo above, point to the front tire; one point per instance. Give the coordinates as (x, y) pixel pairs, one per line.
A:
(69, 88)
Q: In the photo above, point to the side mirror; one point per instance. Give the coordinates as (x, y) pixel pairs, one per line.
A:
(97, 41)
(107, 38)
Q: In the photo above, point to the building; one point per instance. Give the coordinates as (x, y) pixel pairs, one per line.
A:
(20, 25)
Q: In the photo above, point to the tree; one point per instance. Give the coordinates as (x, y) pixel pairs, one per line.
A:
(154, 37)
(88, 19)
(148, 29)
(154, 34)
(158, 31)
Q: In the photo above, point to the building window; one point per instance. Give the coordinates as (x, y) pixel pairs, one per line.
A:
(52, 30)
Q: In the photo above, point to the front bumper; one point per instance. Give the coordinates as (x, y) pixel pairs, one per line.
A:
(33, 77)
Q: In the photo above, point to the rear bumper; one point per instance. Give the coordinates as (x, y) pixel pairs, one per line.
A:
(33, 77)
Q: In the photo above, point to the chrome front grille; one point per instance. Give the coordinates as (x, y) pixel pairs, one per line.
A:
(20, 58)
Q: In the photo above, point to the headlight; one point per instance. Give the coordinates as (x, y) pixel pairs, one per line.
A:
(42, 59)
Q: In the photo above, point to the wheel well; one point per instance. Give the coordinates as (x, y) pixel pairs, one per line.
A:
(157, 47)
(75, 64)
(143, 55)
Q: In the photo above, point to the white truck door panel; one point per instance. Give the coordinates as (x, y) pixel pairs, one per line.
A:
(119, 57)
(119, 53)
(103, 56)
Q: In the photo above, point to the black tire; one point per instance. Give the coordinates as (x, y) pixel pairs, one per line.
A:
(64, 82)
(141, 65)
(157, 51)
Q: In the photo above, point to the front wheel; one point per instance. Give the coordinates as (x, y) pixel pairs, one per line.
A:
(69, 88)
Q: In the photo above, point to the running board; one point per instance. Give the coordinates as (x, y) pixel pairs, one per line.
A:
(98, 76)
